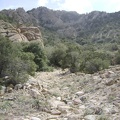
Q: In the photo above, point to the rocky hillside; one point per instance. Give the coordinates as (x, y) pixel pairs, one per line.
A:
(61, 95)
(84, 28)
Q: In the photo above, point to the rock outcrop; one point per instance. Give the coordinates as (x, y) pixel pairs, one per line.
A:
(31, 33)
(20, 34)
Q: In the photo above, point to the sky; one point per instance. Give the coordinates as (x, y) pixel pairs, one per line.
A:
(80, 6)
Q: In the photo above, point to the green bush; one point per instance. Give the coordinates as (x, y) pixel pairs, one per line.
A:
(116, 59)
(72, 61)
(95, 65)
(30, 65)
(65, 55)
(15, 63)
(58, 55)
(6, 54)
(78, 58)
(92, 61)
(40, 57)
(17, 72)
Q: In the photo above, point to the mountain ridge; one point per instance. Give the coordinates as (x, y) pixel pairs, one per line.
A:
(92, 27)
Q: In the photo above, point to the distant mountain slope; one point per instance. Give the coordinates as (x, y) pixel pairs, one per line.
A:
(84, 28)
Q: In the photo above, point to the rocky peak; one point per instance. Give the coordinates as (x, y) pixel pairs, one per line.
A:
(18, 15)
(21, 15)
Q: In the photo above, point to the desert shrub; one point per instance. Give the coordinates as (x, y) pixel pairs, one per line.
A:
(116, 59)
(65, 55)
(95, 65)
(5, 53)
(92, 61)
(58, 55)
(30, 65)
(17, 72)
(49, 51)
(78, 58)
(71, 61)
(14, 63)
(40, 57)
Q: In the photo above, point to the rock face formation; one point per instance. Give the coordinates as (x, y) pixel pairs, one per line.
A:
(20, 34)
(31, 33)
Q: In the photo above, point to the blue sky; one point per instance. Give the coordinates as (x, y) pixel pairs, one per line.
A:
(80, 6)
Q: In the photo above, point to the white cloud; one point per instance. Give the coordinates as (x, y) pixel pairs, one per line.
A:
(105, 5)
(113, 5)
(55, 1)
(81, 6)
(42, 2)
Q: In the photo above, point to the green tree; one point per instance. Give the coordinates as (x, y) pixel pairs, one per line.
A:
(29, 64)
(40, 57)
(73, 61)
(92, 61)
(95, 65)
(58, 55)
(14, 63)
(6, 53)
